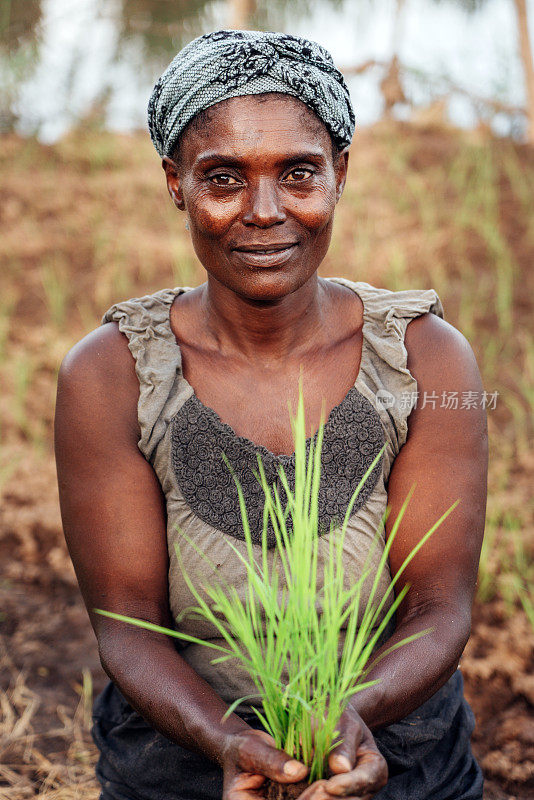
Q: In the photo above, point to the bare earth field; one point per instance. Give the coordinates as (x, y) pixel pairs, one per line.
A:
(88, 222)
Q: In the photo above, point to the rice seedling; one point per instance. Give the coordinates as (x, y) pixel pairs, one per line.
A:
(526, 596)
(521, 182)
(467, 305)
(306, 640)
(110, 263)
(473, 177)
(458, 174)
(525, 377)
(505, 269)
(521, 423)
(56, 291)
(506, 567)
(476, 180)
(491, 357)
(519, 572)
(487, 583)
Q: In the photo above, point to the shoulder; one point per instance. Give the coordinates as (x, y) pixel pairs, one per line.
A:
(437, 351)
(97, 379)
(449, 415)
(102, 355)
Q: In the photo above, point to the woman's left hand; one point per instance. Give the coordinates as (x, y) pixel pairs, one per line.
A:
(358, 768)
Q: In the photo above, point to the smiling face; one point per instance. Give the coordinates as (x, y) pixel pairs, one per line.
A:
(259, 183)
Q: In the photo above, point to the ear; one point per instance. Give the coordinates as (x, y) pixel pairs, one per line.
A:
(174, 184)
(341, 168)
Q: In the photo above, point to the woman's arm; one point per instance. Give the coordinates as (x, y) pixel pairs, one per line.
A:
(114, 520)
(445, 458)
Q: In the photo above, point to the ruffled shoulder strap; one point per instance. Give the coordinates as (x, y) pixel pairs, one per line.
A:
(158, 361)
(384, 376)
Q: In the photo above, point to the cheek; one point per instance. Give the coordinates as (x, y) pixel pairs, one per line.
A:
(209, 216)
(316, 210)
(212, 218)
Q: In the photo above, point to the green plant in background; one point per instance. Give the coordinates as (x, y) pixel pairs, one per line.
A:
(486, 584)
(527, 601)
(524, 578)
(56, 291)
(506, 568)
(518, 571)
(288, 631)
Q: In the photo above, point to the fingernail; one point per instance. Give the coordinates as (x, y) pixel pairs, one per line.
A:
(343, 762)
(292, 768)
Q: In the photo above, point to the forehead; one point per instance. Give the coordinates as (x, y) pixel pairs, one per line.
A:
(255, 124)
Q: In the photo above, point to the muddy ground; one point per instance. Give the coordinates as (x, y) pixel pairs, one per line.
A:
(46, 633)
(62, 223)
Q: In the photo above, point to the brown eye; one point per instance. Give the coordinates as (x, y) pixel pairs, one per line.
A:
(298, 174)
(223, 179)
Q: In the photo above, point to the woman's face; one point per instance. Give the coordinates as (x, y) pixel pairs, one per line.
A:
(260, 184)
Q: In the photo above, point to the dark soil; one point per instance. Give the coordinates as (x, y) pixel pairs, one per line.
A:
(101, 225)
(48, 636)
(289, 791)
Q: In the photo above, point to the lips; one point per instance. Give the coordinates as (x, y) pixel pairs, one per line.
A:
(271, 254)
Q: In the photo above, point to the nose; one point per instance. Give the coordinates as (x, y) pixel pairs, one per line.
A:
(264, 206)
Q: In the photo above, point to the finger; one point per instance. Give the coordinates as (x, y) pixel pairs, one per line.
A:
(244, 786)
(343, 756)
(244, 794)
(246, 780)
(352, 796)
(316, 791)
(369, 775)
(258, 755)
(368, 770)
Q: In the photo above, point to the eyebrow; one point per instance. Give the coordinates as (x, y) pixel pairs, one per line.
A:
(218, 159)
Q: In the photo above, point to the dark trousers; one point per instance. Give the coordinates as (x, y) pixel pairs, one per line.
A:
(428, 753)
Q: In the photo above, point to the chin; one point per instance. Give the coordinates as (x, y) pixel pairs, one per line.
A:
(269, 286)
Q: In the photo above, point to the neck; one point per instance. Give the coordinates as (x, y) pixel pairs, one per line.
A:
(260, 330)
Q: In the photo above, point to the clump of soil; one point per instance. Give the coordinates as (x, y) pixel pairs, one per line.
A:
(287, 791)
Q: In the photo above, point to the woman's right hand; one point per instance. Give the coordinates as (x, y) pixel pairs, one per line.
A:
(250, 758)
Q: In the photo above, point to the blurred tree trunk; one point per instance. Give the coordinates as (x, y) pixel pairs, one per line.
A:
(391, 85)
(240, 13)
(398, 28)
(528, 64)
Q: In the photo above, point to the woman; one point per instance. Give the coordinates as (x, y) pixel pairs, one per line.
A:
(253, 130)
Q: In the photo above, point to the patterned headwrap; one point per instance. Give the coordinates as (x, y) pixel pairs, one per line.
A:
(229, 63)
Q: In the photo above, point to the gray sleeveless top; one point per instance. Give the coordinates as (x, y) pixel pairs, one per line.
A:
(184, 440)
